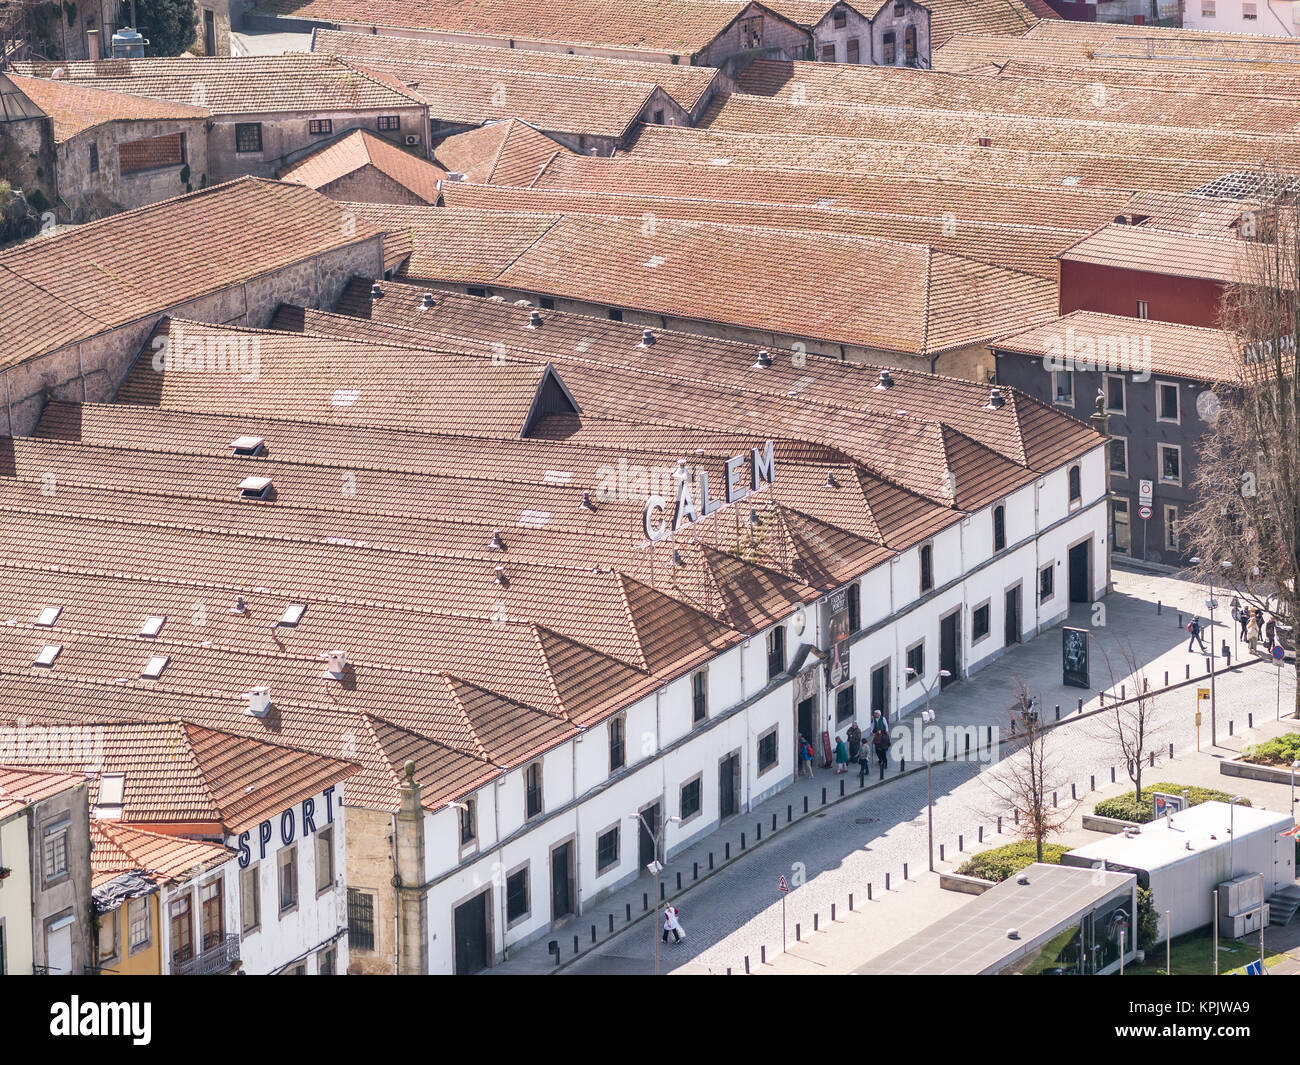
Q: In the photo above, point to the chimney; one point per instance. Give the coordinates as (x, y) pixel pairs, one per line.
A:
(496, 543)
(586, 503)
(376, 293)
(240, 606)
(408, 862)
(534, 319)
(764, 359)
(996, 402)
(885, 381)
(983, 142)
(259, 701)
(499, 576)
(426, 301)
(336, 663)
(647, 338)
(92, 44)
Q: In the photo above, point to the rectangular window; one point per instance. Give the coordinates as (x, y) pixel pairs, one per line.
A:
(1142, 309)
(318, 126)
(212, 913)
(1248, 12)
(108, 935)
(361, 920)
(137, 920)
(999, 528)
(94, 158)
(828, 53)
(927, 567)
(839, 20)
(880, 689)
(690, 799)
(899, 9)
(250, 899)
(853, 55)
(699, 695)
(846, 703)
(615, 314)
(855, 607)
(546, 303)
(888, 57)
(248, 137)
(979, 623)
(517, 896)
(776, 652)
(751, 32)
(607, 849)
(909, 44)
(617, 743)
(1171, 463)
(1119, 456)
(468, 822)
(325, 962)
(767, 750)
(152, 153)
(1167, 405)
(1120, 531)
(389, 123)
(55, 851)
(1046, 582)
(1207, 8)
(324, 860)
(659, 117)
(533, 790)
(1063, 387)
(1114, 394)
(1171, 528)
(916, 662)
(182, 930)
(288, 867)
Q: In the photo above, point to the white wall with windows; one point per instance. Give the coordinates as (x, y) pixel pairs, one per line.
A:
(1279, 18)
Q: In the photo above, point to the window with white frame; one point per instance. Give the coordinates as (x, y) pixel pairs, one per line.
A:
(1171, 529)
(325, 860)
(1119, 456)
(617, 743)
(1114, 386)
(607, 849)
(139, 931)
(1171, 463)
(1167, 405)
(1063, 387)
(54, 850)
(250, 899)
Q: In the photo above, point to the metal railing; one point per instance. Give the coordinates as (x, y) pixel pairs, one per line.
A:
(218, 958)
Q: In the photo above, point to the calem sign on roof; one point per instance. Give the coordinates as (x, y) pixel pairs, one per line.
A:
(762, 469)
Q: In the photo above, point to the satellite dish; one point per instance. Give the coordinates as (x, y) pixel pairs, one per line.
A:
(1207, 406)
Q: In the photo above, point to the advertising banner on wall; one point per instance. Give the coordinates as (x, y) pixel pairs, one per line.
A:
(837, 638)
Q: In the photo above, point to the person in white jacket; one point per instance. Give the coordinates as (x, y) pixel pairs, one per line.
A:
(672, 924)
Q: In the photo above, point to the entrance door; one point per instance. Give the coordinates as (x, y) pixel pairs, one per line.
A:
(58, 947)
(807, 722)
(209, 34)
(646, 849)
(1121, 533)
(472, 935)
(1079, 572)
(948, 649)
(1011, 626)
(729, 787)
(880, 690)
(562, 881)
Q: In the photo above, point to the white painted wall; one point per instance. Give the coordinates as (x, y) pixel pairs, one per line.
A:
(1278, 18)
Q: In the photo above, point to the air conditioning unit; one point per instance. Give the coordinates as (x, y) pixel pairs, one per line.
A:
(412, 139)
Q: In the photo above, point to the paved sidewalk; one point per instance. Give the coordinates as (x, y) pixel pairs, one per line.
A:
(1129, 622)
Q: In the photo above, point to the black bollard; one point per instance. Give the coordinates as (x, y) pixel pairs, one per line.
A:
(1123, 691)
(886, 881)
(816, 921)
(575, 945)
(940, 852)
(1250, 720)
(981, 833)
(746, 964)
(695, 870)
(841, 789)
(823, 796)
(1189, 672)
(798, 932)
(1092, 782)
(789, 813)
(726, 851)
(1072, 793)
(1160, 607)
(832, 912)
(758, 832)
(961, 844)
(762, 955)
(1171, 750)
(999, 824)
(1058, 711)
(1112, 774)
(629, 911)
(805, 804)
(593, 933)
(663, 891)
(645, 900)
(742, 841)
(1081, 704)
(868, 892)
(904, 871)
(850, 902)
(611, 922)
(710, 861)
(1053, 798)
(774, 822)
(1166, 678)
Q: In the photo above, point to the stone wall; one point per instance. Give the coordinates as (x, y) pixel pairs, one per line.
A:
(28, 160)
(86, 196)
(220, 13)
(368, 185)
(370, 871)
(777, 40)
(92, 370)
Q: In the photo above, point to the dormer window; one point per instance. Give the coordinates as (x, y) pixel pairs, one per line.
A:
(292, 614)
(248, 446)
(255, 488)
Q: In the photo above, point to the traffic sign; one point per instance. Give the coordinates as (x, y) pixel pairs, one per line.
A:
(782, 886)
(1279, 652)
(1144, 512)
(1202, 693)
(1146, 492)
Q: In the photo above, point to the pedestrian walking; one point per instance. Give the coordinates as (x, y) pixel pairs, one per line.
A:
(841, 756)
(1243, 619)
(1270, 632)
(880, 741)
(1194, 627)
(1252, 630)
(855, 742)
(878, 722)
(672, 924)
(805, 757)
(864, 765)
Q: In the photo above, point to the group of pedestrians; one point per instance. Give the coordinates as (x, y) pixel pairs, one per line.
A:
(853, 747)
(1256, 626)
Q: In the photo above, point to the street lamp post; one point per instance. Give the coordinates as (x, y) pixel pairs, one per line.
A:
(927, 718)
(655, 867)
(1232, 835)
(1225, 564)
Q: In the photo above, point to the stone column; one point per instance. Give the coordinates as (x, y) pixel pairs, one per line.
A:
(408, 845)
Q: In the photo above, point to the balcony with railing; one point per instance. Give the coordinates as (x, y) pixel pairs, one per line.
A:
(220, 956)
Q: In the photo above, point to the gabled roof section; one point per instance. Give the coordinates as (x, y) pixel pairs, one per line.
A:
(20, 788)
(77, 108)
(359, 149)
(119, 848)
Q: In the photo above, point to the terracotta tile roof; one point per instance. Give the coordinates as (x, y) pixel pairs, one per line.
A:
(1135, 40)
(1167, 348)
(784, 281)
(1221, 78)
(900, 87)
(246, 85)
(677, 27)
(20, 788)
(687, 85)
(951, 17)
(959, 160)
(359, 149)
(474, 153)
(1030, 249)
(75, 109)
(179, 773)
(756, 114)
(1208, 216)
(82, 281)
(118, 848)
(1161, 251)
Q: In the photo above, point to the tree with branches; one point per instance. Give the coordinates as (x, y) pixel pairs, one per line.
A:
(1133, 724)
(1245, 524)
(1026, 781)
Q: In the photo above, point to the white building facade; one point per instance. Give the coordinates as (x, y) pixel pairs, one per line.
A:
(1276, 18)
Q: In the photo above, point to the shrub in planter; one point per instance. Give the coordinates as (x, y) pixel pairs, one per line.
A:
(1280, 750)
(1002, 862)
(1127, 807)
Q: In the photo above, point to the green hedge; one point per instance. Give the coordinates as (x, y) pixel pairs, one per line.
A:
(1127, 808)
(1002, 862)
(1281, 750)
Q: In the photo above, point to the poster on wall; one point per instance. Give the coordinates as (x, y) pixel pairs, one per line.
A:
(837, 638)
(1074, 658)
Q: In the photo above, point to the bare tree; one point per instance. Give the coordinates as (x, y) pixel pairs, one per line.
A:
(1133, 724)
(1026, 782)
(1245, 525)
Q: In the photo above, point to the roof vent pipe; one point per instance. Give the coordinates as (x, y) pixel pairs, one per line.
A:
(764, 359)
(376, 293)
(586, 503)
(534, 319)
(496, 543)
(885, 381)
(427, 301)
